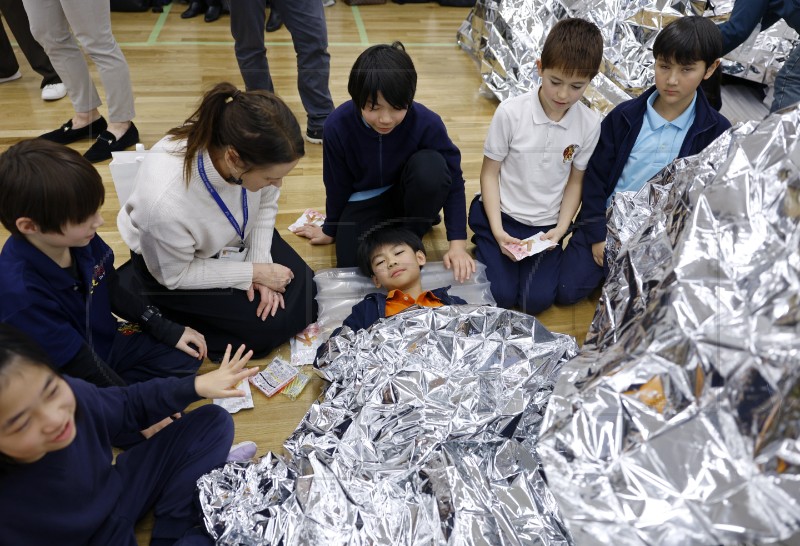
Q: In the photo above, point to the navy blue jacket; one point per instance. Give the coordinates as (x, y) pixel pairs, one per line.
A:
(62, 314)
(68, 495)
(357, 158)
(618, 134)
(746, 14)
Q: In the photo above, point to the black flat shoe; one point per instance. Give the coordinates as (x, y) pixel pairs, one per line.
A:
(67, 135)
(194, 9)
(107, 143)
(212, 14)
(274, 22)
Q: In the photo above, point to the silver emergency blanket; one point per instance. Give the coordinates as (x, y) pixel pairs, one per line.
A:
(424, 436)
(678, 422)
(506, 37)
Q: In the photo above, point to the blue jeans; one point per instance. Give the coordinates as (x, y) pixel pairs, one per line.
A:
(787, 83)
(305, 21)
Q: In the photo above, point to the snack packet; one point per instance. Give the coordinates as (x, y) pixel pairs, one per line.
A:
(304, 345)
(309, 216)
(530, 246)
(276, 375)
(294, 388)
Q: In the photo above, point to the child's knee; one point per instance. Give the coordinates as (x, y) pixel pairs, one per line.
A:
(538, 300)
(504, 294)
(217, 419)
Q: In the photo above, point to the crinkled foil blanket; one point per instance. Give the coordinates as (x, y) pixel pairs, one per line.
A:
(425, 436)
(678, 422)
(506, 38)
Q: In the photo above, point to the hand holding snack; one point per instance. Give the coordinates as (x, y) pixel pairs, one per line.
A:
(528, 247)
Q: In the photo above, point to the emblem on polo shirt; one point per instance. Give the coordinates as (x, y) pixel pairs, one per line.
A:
(569, 152)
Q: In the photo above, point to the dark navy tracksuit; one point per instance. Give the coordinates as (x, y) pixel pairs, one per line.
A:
(69, 313)
(76, 496)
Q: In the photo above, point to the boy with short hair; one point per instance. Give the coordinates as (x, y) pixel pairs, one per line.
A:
(535, 153)
(386, 156)
(640, 137)
(393, 257)
(57, 277)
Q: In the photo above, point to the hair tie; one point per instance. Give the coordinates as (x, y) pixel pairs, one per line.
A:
(233, 96)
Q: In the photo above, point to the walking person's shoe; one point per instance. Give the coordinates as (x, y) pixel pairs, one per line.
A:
(314, 136)
(15, 76)
(106, 143)
(54, 91)
(67, 135)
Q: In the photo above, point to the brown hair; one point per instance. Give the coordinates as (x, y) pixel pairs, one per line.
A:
(49, 183)
(257, 124)
(575, 46)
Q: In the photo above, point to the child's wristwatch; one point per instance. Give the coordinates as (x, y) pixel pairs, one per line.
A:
(150, 312)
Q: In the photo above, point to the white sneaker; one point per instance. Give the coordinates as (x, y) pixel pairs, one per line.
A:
(242, 452)
(17, 75)
(54, 91)
(328, 3)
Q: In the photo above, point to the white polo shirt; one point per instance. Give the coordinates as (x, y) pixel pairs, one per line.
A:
(537, 154)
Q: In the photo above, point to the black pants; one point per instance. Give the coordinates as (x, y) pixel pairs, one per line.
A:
(17, 19)
(226, 316)
(417, 198)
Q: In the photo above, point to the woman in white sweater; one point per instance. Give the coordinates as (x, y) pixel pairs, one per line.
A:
(201, 223)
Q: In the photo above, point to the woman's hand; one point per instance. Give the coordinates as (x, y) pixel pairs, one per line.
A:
(221, 382)
(192, 337)
(274, 276)
(503, 238)
(269, 300)
(314, 234)
(458, 259)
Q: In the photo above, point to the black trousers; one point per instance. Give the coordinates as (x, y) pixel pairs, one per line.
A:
(416, 199)
(226, 316)
(17, 19)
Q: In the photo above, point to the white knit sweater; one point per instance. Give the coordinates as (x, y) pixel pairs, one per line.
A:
(178, 228)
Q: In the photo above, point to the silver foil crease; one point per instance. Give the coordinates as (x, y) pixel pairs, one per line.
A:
(505, 37)
(424, 436)
(678, 422)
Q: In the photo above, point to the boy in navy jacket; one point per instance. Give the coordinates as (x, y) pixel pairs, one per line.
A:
(386, 156)
(640, 137)
(57, 277)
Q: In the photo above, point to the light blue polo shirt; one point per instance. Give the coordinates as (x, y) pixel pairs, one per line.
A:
(658, 143)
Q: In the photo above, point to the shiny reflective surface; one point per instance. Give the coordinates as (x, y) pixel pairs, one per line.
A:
(425, 435)
(506, 38)
(678, 421)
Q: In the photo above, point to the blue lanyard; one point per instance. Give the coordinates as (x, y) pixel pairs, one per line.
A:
(220, 203)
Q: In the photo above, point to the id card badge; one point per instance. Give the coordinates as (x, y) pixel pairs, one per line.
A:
(233, 254)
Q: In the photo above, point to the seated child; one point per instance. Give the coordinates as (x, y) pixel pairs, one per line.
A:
(56, 473)
(392, 257)
(535, 154)
(57, 277)
(642, 136)
(386, 156)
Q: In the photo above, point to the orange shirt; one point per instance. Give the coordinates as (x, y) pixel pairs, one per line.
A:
(397, 301)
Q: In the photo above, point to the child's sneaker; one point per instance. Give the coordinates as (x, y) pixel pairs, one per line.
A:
(242, 452)
(314, 136)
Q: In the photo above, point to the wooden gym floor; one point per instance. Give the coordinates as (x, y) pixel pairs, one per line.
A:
(172, 61)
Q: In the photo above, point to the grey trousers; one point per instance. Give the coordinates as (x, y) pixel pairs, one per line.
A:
(17, 20)
(305, 21)
(90, 20)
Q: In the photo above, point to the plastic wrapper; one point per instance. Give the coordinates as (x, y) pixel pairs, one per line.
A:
(678, 421)
(339, 289)
(506, 37)
(424, 436)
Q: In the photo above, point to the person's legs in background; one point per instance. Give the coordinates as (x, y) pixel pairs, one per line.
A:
(305, 21)
(502, 272)
(787, 82)
(423, 190)
(247, 29)
(17, 20)
(579, 274)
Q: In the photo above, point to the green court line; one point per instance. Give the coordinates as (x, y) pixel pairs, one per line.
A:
(362, 30)
(162, 19)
